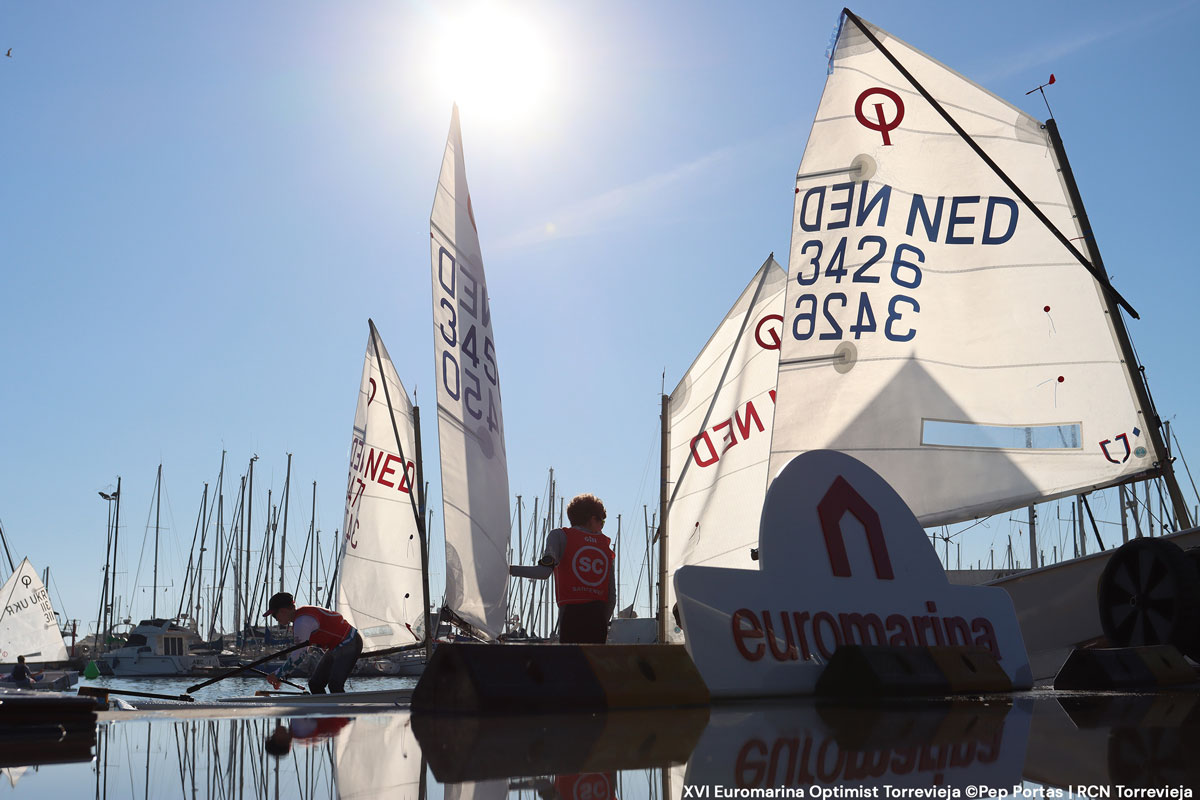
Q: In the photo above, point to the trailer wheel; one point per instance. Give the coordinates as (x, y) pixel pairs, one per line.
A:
(1149, 593)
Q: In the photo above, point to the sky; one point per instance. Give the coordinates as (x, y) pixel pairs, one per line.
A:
(202, 204)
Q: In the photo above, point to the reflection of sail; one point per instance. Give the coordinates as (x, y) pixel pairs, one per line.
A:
(377, 756)
(470, 419)
(718, 452)
(28, 625)
(477, 790)
(379, 585)
(946, 284)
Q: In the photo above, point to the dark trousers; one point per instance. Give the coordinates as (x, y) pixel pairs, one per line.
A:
(583, 623)
(335, 667)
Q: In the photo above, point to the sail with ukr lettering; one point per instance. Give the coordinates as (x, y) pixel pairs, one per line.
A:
(470, 419)
(938, 326)
(28, 624)
(719, 433)
(380, 576)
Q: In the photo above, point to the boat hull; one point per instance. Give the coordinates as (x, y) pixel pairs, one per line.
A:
(1057, 607)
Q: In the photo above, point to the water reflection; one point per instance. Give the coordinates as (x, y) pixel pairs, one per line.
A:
(1052, 739)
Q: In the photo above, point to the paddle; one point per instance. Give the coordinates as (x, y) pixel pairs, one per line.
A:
(246, 667)
(281, 680)
(104, 691)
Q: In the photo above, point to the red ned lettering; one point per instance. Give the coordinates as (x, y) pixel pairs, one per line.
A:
(712, 451)
(728, 438)
(387, 470)
(987, 636)
(827, 618)
(374, 459)
(743, 426)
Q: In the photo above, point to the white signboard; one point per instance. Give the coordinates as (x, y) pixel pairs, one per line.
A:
(842, 560)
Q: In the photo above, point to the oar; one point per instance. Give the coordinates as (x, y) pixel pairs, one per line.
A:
(103, 691)
(246, 667)
(281, 680)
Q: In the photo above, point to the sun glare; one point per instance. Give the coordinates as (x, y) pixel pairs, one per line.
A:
(494, 64)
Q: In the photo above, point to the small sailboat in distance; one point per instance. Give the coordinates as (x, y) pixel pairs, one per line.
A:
(29, 628)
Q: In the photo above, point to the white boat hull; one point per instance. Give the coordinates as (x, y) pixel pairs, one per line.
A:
(147, 664)
(1057, 607)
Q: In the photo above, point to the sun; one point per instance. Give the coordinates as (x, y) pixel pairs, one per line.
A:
(494, 63)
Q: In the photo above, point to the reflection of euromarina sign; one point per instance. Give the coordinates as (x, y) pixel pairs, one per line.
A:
(799, 752)
(842, 561)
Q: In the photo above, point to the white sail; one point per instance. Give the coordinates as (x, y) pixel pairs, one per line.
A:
(28, 625)
(719, 451)
(470, 419)
(378, 756)
(379, 580)
(978, 370)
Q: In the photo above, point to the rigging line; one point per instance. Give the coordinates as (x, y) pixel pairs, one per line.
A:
(765, 273)
(1186, 468)
(1099, 275)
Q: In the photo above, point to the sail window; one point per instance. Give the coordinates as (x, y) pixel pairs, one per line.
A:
(945, 433)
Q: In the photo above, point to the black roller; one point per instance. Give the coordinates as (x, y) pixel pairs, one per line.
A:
(1149, 594)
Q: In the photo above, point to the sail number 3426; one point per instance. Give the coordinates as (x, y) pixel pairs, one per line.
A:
(828, 317)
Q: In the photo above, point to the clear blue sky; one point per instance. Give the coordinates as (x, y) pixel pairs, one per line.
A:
(201, 205)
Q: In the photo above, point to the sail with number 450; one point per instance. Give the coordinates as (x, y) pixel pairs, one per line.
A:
(470, 419)
(380, 576)
(948, 320)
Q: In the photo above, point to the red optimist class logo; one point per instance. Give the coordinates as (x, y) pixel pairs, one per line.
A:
(880, 123)
(590, 565)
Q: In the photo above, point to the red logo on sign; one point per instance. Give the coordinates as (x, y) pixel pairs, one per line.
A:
(841, 498)
(880, 123)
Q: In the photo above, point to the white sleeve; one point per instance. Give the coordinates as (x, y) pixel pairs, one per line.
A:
(303, 627)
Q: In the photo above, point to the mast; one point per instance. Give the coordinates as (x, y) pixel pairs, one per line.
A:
(1137, 376)
(664, 461)
(11, 567)
(420, 511)
(157, 510)
(418, 503)
(116, 536)
(312, 532)
(287, 482)
(243, 623)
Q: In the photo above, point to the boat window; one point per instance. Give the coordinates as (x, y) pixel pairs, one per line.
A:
(143, 649)
(135, 639)
(944, 433)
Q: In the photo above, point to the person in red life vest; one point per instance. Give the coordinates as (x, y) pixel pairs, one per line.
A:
(322, 628)
(305, 731)
(581, 559)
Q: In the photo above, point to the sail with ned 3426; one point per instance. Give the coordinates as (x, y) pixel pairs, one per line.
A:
(475, 512)
(940, 325)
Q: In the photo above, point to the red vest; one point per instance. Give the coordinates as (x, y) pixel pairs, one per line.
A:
(586, 786)
(582, 574)
(332, 628)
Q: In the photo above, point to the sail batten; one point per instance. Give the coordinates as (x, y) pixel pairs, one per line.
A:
(945, 263)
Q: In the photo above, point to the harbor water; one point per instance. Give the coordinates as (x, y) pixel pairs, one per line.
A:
(1034, 744)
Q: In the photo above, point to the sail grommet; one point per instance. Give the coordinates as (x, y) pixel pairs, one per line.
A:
(844, 357)
(862, 167)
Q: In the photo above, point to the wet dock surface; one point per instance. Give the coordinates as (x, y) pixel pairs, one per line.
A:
(1045, 742)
